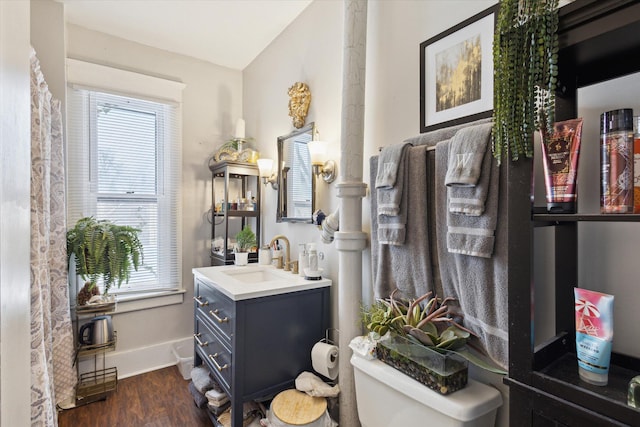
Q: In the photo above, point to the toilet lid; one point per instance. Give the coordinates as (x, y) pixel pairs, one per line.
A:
(297, 408)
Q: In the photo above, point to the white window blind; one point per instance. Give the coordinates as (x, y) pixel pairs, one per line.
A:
(124, 165)
(300, 194)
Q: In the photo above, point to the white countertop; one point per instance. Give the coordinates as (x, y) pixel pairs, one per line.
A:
(254, 280)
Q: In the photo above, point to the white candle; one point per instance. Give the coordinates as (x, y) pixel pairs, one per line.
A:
(240, 129)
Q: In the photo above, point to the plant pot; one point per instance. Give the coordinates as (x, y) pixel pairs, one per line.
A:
(442, 372)
(241, 258)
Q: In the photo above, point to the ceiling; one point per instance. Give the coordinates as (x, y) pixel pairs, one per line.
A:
(230, 33)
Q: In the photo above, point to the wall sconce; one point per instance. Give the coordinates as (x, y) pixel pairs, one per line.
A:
(265, 166)
(318, 152)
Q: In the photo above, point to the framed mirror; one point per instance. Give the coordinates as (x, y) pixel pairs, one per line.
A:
(296, 192)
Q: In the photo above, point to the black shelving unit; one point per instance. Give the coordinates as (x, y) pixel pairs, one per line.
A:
(236, 179)
(599, 41)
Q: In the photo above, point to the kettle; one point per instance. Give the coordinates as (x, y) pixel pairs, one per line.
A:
(97, 331)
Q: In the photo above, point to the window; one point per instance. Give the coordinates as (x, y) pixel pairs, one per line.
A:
(123, 164)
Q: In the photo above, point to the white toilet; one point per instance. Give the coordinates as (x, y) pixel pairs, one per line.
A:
(388, 398)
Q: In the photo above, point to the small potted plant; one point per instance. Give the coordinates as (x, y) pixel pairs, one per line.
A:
(103, 250)
(245, 240)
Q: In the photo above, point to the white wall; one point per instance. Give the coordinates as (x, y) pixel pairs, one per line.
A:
(15, 159)
(212, 101)
(48, 40)
(310, 50)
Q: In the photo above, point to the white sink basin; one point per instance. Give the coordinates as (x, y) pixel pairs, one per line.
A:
(257, 274)
(253, 281)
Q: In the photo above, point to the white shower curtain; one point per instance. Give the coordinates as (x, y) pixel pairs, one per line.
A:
(53, 376)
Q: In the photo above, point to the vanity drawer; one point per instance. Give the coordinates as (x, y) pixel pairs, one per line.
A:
(217, 308)
(216, 355)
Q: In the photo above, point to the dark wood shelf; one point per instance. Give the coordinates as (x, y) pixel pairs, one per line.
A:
(556, 374)
(598, 41)
(236, 213)
(556, 219)
(243, 177)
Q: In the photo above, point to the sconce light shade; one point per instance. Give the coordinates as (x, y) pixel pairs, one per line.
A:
(317, 151)
(318, 154)
(265, 168)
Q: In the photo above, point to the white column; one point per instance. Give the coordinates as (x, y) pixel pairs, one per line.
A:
(350, 240)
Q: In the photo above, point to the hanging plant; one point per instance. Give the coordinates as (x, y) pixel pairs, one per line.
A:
(525, 60)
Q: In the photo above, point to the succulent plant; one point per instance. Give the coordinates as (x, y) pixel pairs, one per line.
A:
(427, 320)
(433, 323)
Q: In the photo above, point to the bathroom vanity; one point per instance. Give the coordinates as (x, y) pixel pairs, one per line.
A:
(254, 328)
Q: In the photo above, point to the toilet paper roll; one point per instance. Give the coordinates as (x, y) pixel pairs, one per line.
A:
(324, 359)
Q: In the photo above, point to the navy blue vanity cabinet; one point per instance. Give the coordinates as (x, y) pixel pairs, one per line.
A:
(256, 347)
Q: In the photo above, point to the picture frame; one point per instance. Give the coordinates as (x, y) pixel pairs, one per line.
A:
(456, 73)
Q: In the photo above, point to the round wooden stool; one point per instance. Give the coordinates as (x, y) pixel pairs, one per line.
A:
(296, 408)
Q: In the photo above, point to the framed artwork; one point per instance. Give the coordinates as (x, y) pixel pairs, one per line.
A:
(456, 73)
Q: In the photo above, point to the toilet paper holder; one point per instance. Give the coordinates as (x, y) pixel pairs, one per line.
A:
(326, 338)
(324, 356)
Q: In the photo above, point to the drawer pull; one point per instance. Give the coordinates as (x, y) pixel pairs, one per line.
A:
(199, 301)
(200, 343)
(218, 367)
(214, 313)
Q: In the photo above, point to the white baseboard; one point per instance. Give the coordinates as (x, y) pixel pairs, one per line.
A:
(139, 360)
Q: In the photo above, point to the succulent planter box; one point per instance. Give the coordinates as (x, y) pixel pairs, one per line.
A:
(444, 373)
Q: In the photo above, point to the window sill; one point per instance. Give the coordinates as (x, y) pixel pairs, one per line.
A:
(144, 301)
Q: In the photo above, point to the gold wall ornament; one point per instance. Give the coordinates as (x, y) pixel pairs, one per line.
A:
(299, 100)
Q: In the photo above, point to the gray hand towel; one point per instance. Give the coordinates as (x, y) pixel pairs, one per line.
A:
(390, 198)
(407, 267)
(198, 398)
(201, 379)
(472, 235)
(470, 200)
(466, 151)
(479, 283)
(389, 164)
(392, 208)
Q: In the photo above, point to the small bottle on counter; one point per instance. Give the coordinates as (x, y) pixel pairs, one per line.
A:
(264, 255)
(303, 258)
(313, 257)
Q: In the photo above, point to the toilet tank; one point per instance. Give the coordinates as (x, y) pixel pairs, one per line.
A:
(388, 398)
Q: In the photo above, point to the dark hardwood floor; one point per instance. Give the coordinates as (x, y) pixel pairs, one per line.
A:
(155, 399)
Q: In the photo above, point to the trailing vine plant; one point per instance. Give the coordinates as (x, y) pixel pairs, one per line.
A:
(525, 61)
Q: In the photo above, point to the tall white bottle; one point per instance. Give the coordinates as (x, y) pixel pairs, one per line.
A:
(303, 259)
(313, 257)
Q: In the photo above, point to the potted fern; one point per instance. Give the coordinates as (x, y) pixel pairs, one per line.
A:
(103, 250)
(245, 240)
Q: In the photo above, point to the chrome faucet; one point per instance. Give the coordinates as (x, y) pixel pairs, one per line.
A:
(287, 257)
